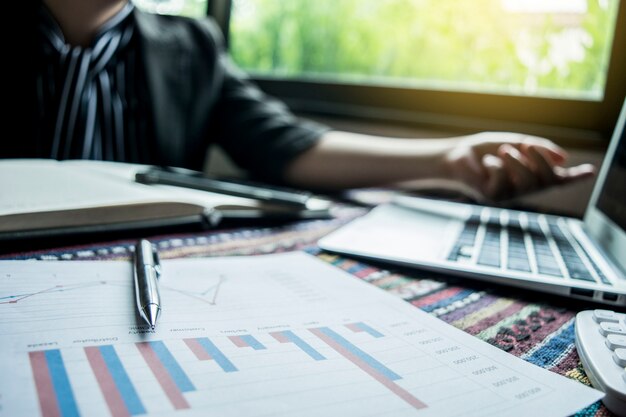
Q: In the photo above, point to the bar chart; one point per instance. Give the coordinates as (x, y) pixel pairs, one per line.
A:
(282, 335)
(123, 397)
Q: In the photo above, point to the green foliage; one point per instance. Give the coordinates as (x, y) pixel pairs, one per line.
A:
(194, 8)
(451, 44)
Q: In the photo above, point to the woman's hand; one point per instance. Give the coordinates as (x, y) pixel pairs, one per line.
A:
(503, 165)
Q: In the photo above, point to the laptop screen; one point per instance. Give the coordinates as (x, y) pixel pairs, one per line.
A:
(611, 200)
(605, 218)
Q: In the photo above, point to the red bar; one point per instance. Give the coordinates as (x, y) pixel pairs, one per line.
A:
(392, 386)
(400, 392)
(111, 394)
(280, 337)
(198, 350)
(43, 382)
(354, 327)
(238, 341)
(160, 373)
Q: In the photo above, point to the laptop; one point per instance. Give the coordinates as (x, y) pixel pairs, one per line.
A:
(583, 259)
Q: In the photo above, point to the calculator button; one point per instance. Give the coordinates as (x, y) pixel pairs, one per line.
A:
(615, 341)
(600, 316)
(607, 328)
(619, 356)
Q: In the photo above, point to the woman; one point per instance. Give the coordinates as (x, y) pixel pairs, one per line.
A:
(113, 82)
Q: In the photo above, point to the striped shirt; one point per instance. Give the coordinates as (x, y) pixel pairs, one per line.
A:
(92, 100)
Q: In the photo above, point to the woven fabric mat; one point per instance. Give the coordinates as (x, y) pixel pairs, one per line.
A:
(540, 333)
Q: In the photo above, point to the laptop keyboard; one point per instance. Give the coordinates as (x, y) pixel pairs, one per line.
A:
(525, 242)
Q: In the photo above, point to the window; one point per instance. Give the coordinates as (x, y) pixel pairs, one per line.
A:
(522, 47)
(190, 8)
(547, 67)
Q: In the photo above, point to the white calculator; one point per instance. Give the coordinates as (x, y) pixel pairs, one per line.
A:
(601, 345)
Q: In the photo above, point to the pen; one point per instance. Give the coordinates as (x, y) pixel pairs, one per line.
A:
(147, 272)
(270, 194)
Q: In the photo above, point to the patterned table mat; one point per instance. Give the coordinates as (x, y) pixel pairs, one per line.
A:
(540, 333)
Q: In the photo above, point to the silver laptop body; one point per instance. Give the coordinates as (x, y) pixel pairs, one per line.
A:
(566, 256)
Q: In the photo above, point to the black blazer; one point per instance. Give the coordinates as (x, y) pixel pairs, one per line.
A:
(198, 97)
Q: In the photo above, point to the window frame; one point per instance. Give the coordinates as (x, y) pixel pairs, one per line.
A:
(571, 121)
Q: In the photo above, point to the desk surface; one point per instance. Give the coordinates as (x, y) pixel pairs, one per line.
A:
(535, 327)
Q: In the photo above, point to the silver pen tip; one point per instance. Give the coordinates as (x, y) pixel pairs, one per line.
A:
(152, 313)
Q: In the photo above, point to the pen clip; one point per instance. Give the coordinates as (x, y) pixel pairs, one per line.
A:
(157, 261)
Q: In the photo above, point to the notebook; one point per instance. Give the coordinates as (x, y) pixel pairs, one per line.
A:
(47, 198)
(584, 259)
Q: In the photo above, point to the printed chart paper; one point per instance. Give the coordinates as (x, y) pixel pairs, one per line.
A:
(283, 334)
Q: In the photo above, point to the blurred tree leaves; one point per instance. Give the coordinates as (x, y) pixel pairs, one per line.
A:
(450, 44)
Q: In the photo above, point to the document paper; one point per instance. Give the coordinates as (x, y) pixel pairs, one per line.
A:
(280, 335)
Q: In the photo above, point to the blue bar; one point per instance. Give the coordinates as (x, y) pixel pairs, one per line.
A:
(252, 342)
(61, 383)
(217, 355)
(173, 368)
(122, 381)
(360, 354)
(303, 345)
(368, 329)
